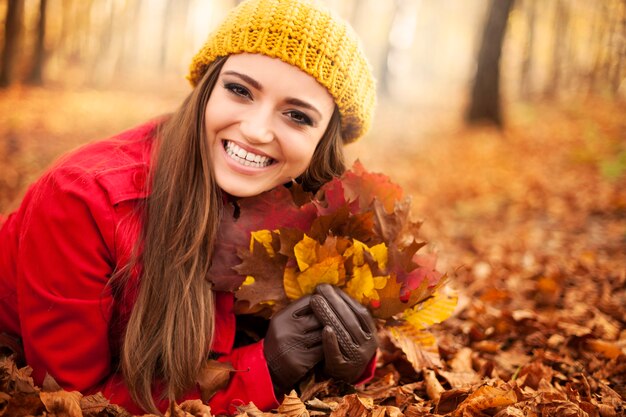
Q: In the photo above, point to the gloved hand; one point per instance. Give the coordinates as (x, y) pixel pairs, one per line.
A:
(293, 344)
(349, 335)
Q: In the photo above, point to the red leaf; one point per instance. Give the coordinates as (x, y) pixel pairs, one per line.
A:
(365, 186)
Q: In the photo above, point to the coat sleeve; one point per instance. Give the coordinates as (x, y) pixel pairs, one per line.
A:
(63, 265)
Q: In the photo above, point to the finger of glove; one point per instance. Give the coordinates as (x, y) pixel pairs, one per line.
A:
(298, 314)
(328, 317)
(333, 357)
(340, 316)
(362, 313)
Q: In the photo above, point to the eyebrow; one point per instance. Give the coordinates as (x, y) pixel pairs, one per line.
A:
(290, 100)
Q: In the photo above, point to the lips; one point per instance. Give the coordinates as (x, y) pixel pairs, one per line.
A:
(246, 158)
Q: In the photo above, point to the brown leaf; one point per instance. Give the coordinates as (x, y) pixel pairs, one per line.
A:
(433, 386)
(50, 384)
(62, 403)
(196, 408)
(267, 272)
(4, 402)
(352, 406)
(93, 404)
(486, 397)
(20, 378)
(419, 346)
(213, 377)
(510, 412)
(292, 406)
(250, 410)
(450, 400)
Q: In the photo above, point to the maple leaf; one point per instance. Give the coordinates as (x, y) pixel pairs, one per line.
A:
(364, 186)
(390, 302)
(363, 285)
(267, 273)
(329, 224)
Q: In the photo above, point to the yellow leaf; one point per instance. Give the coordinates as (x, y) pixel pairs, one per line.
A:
(356, 251)
(265, 238)
(434, 310)
(379, 252)
(329, 271)
(363, 284)
(290, 284)
(306, 252)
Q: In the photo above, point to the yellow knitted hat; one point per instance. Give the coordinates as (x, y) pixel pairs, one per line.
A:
(307, 35)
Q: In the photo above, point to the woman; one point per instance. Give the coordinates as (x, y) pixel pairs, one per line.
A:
(105, 267)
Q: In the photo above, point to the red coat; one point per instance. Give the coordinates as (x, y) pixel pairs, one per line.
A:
(57, 253)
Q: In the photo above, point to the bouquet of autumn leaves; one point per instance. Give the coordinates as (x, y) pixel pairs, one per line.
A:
(354, 233)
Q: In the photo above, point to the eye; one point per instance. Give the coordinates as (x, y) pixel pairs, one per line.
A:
(299, 118)
(238, 90)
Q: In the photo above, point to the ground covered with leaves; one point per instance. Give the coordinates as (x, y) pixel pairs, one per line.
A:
(529, 223)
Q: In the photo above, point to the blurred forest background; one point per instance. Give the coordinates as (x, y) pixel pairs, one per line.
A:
(503, 119)
(75, 70)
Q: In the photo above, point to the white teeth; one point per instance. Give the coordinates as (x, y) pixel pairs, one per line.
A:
(246, 158)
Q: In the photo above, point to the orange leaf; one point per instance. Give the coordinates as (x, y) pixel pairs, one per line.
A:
(486, 397)
(63, 403)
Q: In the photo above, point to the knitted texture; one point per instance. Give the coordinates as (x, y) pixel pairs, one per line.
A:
(307, 35)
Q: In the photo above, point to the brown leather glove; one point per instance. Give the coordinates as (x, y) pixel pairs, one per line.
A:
(293, 344)
(349, 335)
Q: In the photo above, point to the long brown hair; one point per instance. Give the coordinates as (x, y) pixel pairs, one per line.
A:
(171, 325)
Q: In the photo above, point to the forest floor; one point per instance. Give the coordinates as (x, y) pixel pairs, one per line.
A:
(529, 222)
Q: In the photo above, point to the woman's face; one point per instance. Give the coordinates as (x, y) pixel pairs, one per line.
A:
(263, 120)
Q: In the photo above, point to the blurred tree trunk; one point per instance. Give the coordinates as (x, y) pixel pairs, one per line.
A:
(561, 21)
(596, 44)
(383, 75)
(36, 75)
(527, 63)
(621, 52)
(12, 36)
(174, 20)
(485, 99)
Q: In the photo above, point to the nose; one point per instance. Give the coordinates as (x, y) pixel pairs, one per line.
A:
(256, 127)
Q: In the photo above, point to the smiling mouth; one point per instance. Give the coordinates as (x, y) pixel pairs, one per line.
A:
(243, 157)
